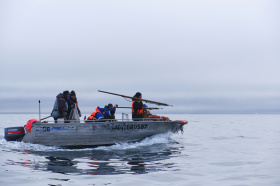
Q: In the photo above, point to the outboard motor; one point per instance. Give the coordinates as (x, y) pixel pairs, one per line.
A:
(17, 133)
(14, 133)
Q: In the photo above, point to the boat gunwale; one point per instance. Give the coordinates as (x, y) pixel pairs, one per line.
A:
(105, 122)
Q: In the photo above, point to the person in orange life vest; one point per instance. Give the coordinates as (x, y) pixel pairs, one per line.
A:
(137, 107)
(97, 114)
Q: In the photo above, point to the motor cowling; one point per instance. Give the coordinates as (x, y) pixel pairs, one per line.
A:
(29, 124)
(14, 133)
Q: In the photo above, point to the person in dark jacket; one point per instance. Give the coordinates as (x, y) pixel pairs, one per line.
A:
(137, 107)
(109, 111)
(60, 108)
(73, 110)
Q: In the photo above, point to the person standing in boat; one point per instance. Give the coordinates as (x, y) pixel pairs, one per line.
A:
(60, 107)
(109, 111)
(137, 107)
(74, 112)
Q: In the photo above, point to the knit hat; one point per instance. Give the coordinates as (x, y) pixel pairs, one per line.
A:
(73, 93)
(137, 95)
(66, 92)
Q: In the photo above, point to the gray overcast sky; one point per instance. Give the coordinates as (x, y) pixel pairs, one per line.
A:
(200, 56)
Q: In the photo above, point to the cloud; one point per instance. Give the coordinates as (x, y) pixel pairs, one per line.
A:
(177, 50)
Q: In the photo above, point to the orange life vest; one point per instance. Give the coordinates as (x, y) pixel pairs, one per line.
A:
(92, 116)
(139, 111)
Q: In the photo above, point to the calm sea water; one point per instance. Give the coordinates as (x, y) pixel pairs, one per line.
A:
(231, 150)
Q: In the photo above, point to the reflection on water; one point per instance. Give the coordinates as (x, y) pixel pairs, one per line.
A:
(101, 160)
(137, 165)
(60, 164)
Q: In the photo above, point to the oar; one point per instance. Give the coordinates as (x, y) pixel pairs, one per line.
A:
(46, 118)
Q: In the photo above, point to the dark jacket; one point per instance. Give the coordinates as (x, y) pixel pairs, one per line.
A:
(137, 109)
(60, 108)
(71, 105)
(109, 113)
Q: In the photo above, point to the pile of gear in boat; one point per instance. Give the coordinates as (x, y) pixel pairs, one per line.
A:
(66, 108)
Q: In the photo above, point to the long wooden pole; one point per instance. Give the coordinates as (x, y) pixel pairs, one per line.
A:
(149, 108)
(145, 100)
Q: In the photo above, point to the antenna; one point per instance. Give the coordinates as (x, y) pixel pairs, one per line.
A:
(40, 111)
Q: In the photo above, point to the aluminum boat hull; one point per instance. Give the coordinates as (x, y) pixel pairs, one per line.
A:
(97, 133)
